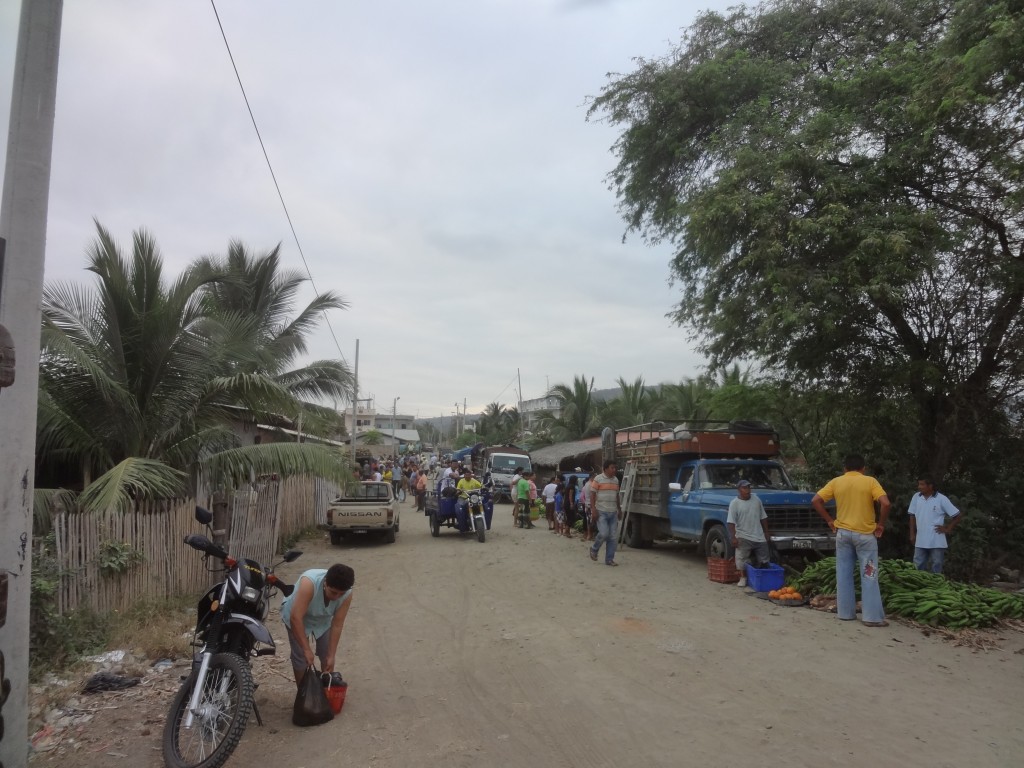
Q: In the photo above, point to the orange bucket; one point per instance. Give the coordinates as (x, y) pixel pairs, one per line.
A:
(336, 696)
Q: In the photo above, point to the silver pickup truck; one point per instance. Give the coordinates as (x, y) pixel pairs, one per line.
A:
(366, 508)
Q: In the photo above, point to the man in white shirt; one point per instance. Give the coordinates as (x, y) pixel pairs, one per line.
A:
(748, 529)
(548, 493)
(928, 527)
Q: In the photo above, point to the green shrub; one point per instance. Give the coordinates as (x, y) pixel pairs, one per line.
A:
(57, 641)
(117, 557)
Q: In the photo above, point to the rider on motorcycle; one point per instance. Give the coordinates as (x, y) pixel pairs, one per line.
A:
(465, 485)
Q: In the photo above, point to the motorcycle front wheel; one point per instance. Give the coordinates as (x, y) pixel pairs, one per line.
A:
(481, 527)
(224, 707)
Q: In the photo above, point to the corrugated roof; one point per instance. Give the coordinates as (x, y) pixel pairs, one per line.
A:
(401, 435)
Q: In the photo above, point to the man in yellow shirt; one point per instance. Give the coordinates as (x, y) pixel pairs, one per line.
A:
(857, 533)
(464, 486)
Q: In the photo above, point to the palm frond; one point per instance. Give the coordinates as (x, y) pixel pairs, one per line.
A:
(230, 469)
(319, 379)
(46, 502)
(132, 479)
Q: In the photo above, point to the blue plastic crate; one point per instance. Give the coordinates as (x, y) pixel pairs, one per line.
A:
(765, 579)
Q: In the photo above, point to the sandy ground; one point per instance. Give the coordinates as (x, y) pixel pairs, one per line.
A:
(521, 652)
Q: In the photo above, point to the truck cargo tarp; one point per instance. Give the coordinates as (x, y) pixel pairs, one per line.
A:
(464, 453)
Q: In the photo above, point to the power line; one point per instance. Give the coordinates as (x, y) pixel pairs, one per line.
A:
(273, 176)
(503, 390)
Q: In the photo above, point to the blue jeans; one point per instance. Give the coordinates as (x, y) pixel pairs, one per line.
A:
(860, 549)
(922, 557)
(461, 515)
(606, 525)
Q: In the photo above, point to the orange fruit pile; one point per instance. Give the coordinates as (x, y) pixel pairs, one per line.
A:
(786, 593)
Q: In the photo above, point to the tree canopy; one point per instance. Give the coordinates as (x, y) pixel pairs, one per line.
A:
(841, 182)
(142, 376)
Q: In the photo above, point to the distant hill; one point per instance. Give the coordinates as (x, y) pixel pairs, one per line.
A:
(601, 395)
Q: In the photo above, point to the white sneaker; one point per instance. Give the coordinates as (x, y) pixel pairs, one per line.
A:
(742, 582)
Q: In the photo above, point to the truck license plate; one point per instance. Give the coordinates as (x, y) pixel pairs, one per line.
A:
(802, 544)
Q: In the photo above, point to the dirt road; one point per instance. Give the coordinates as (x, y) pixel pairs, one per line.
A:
(522, 652)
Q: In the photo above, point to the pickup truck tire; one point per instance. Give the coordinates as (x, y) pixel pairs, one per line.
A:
(634, 531)
(389, 534)
(716, 542)
(435, 525)
(336, 538)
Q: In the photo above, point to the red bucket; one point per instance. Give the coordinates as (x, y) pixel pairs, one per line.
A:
(336, 696)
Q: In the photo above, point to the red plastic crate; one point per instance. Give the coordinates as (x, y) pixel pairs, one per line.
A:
(723, 570)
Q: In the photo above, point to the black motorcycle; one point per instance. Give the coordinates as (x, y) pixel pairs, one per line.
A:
(211, 709)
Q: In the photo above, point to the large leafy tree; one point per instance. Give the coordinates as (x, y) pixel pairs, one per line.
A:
(841, 180)
(141, 378)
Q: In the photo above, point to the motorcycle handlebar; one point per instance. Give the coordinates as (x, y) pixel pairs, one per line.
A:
(206, 546)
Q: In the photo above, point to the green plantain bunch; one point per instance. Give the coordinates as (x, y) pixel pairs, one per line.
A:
(928, 598)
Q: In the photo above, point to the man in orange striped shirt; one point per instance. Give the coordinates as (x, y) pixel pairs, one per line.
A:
(605, 512)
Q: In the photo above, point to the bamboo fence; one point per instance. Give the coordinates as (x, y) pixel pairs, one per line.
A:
(260, 516)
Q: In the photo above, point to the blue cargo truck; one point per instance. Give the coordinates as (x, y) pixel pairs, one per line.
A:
(686, 476)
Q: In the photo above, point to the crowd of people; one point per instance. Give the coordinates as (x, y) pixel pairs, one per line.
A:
(568, 501)
(319, 605)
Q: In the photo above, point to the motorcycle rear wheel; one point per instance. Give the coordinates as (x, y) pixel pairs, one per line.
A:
(225, 704)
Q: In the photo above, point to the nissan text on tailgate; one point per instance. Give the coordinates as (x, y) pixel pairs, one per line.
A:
(366, 508)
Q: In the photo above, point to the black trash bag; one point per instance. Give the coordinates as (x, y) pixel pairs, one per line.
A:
(311, 705)
(105, 681)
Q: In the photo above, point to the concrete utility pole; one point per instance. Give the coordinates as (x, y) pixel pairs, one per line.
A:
(519, 393)
(355, 403)
(394, 410)
(26, 192)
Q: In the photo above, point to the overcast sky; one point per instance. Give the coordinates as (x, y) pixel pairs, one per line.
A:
(434, 156)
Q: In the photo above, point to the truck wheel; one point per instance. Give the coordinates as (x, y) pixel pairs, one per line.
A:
(336, 538)
(389, 535)
(634, 528)
(435, 525)
(716, 542)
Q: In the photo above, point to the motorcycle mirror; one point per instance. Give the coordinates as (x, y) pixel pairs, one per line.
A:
(292, 555)
(203, 516)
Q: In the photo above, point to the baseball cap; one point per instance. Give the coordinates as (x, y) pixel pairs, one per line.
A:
(743, 484)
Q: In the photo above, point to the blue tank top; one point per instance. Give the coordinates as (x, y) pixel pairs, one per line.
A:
(319, 615)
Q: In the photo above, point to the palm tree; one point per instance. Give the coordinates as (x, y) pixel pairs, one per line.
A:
(733, 376)
(689, 400)
(254, 298)
(577, 413)
(491, 421)
(141, 379)
(511, 423)
(635, 405)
